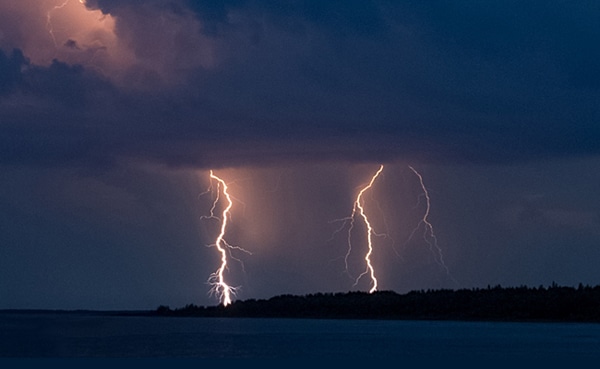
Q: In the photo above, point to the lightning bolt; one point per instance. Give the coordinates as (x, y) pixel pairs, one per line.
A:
(49, 19)
(220, 288)
(424, 223)
(428, 233)
(49, 25)
(358, 209)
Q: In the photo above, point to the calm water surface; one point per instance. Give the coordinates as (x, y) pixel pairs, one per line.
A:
(89, 336)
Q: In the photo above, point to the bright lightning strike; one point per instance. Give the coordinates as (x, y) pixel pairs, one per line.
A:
(359, 209)
(358, 204)
(219, 287)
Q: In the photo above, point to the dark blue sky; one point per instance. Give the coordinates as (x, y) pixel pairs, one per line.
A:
(112, 115)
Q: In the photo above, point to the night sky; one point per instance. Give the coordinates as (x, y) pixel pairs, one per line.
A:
(113, 113)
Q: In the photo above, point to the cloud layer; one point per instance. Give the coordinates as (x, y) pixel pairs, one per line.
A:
(242, 82)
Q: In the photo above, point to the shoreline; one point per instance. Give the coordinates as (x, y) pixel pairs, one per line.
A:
(493, 304)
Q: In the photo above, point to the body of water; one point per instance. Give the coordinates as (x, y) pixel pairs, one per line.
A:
(93, 336)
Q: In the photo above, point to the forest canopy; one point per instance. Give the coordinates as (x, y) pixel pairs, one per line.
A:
(553, 303)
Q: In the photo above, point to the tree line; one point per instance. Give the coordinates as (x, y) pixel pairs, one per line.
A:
(552, 303)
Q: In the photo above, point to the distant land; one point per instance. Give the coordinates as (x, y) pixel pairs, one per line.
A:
(548, 304)
(519, 304)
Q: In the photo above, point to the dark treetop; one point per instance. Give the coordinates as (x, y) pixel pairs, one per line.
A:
(555, 303)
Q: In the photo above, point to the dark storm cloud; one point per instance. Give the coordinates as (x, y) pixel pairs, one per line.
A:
(338, 16)
(10, 70)
(258, 81)
(48, 116)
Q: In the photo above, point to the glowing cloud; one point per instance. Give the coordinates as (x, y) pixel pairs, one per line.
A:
(78, 35)
(136, 47)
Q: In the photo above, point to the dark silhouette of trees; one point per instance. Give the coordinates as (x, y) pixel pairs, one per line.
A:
(555, 303)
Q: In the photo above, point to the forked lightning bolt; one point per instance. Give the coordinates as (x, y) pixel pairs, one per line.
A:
(219, 287)
(428, 234)
(358, 204)
(359, 209)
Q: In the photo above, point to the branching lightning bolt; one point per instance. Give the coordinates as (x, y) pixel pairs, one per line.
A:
(428, 233)
(358, 208)
(219, 287)
(358, 204)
